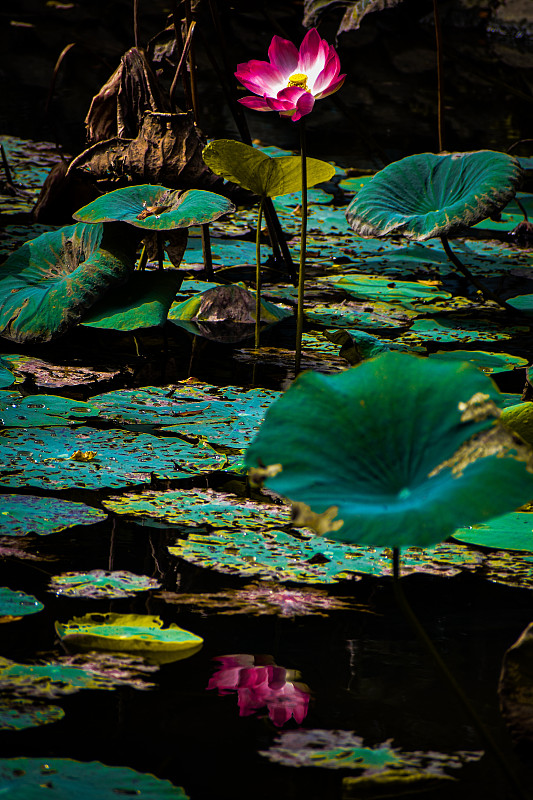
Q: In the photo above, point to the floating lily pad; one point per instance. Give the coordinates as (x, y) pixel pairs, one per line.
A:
(122, 669)
(261, 173)
(18, 713)
(63, 778)
(374, 287)
(50, 680)
(129, 633)
(259, 599)
(428, 195)
(61, 458)
(364, 315)
(99, 583)
(17, 604)
(25, 513)
(379, 471)
(39, 410)
(512, 531)
(143, 303)
(488, 362)
(193, 507)
(449, 329)
(52, 281)
(155, 208)
(50, 376)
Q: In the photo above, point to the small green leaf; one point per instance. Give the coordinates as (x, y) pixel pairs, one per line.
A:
(17, 604)
(25, 513)
(260, 173)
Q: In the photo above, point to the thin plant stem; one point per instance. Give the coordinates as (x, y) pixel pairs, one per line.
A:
(303, 240)
(440, 90)
(484, 734)
(258, 275)
(159, 239)
(487, 293)
(206, 251)
(192, 63)
(5, 164)
(143, 258)
(184, 54)
(136, 22)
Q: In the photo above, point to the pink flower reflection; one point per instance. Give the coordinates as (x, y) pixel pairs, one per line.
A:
(292, 79)
(259, 683)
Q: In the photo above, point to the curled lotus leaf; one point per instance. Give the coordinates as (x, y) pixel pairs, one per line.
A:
(99, 583)
(519, 418)
(512, 531)
(142, 634)
(63, 778)
(18, 713)
(37, 410)
(265, 175)
(156, 208)
(428, 195)
(62, 458)
(194, 507)
(49, 283)
(25, 513)
(369, 467)
(17, 604)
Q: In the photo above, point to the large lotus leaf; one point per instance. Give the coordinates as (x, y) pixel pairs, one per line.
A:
(38, 410)
(25, 513)
(488, 362)
(50, 283)
(18, 713)
(129, 633)
(61, 458)
(64, 779)
(156, 208)
(50, 680)
(17, 604)
(100, 583)
(393, 468)
(519, 418)
(193, 507)
(428, 195)
(374, 287)
(142, 303)
(260, 173)
(512, 531)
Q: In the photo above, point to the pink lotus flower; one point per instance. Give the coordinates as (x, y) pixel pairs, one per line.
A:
(259, 683)
(293, 79)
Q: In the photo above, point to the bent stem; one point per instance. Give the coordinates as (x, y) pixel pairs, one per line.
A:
(303, 239)
(487, 293)
(258, 275)
(448, 678)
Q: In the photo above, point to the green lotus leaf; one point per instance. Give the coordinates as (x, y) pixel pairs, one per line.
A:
(459, 329)
(155, 208)
(25, 513)
(386, 290)
(6, 376)
(193, 507)
(260, 173)
(100, 583)
(519, 418)
(17, 604)
(17, 713)
(50, 680)
(362, 314)
(38, 410)
(142, 303)
(129, 633)
(512, 531)
(225, 303)
(64, 778)
(61, 458)
(522, 302)
(50, 282)
(428, 195)
(377, 470)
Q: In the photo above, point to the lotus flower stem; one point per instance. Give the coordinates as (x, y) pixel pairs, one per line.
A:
(487, 293)
(484, 734)
(183, 57)
(206, 250)
(143, 258)
(192, 63)
(440, 91)
(258, 275)
(303, 239)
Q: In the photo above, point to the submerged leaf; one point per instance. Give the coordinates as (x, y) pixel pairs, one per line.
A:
(17, 713)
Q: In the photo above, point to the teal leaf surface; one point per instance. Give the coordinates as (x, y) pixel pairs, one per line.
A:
(17, 604)
(25, 513)
(41, 410)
